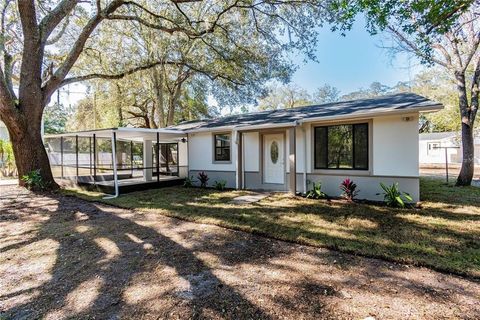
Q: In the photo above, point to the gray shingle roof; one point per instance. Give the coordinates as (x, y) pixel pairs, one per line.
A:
(390, 103)
(437, 135)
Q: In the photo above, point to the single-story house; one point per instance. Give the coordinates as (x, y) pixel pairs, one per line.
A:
(369, 140)
(433, 147)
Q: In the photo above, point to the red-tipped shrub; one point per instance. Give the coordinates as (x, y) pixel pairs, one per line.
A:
(203, 178)
(349, 189)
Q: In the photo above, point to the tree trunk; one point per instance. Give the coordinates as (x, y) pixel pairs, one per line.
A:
(466, 172)
(157, 78)
(172, 103)
(119, 105)
(29, 150)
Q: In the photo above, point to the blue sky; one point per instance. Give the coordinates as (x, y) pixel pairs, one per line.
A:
(353, 61)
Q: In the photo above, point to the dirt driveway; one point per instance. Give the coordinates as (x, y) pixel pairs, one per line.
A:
(62, 257)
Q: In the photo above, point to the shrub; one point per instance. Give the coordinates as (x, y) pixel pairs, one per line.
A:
(33, 180)
(220, 185)
(188, 183)
(203, 178)
(393, 197)
(349, 189)
(316, 191)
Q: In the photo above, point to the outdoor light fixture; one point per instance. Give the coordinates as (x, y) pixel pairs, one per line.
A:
(183, 140)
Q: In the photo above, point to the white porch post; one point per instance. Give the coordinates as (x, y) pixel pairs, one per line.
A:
(114, 152)
(292, 183)
(304, 160)
(239, 161)
(114, 162)
(147, 160)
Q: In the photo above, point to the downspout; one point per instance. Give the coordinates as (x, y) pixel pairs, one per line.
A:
(114, 160)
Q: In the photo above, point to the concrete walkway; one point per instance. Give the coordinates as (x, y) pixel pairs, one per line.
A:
(8, 182)
(250, 198)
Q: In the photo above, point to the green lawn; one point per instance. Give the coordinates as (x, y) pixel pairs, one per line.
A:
(444, 234)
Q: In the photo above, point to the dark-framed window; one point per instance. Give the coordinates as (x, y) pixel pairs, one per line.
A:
(222, 147)
(342, 146)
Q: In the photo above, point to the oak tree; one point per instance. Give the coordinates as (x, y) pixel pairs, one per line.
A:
(41, 42)
(445, 33)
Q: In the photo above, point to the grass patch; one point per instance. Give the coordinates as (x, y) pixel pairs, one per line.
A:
(444, 234)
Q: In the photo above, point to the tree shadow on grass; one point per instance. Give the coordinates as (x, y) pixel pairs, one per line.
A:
(100, 254)
(375, 231)
(106, 258)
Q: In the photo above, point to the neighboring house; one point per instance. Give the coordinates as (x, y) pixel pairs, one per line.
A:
(432, 148)
(3, 132)
(369, 141)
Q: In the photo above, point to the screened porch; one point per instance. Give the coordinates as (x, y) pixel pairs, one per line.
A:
(120, 159)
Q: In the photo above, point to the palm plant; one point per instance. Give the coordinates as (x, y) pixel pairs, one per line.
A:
(393, 197)
(316, 191)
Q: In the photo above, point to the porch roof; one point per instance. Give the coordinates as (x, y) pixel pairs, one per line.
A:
(391, 104)
(136, 134)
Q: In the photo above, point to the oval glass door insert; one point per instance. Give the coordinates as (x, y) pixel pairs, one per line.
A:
(274, 152)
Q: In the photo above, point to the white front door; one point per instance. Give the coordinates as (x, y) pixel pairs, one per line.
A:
(273, 159)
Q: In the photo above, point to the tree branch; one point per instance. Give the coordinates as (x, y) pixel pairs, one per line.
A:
(473, 50)
(118, 75)
(414, 48)
(59, 34)
(453, 43)
(475, 91)
(7, 101)
(51, 20)
(57, 78)
(153, 25)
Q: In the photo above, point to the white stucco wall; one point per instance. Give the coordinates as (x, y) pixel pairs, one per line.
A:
(301, 133)
(251, 141)
(394, 151)
(395, 146)
(200, 153)
(368, 186)
(182, 154)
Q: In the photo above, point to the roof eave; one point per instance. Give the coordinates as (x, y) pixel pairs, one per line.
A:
(373, 114)
(244, 127)
(86, 133)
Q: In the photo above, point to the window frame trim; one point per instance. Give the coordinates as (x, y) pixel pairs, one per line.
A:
(365, 171)
(214, 149)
